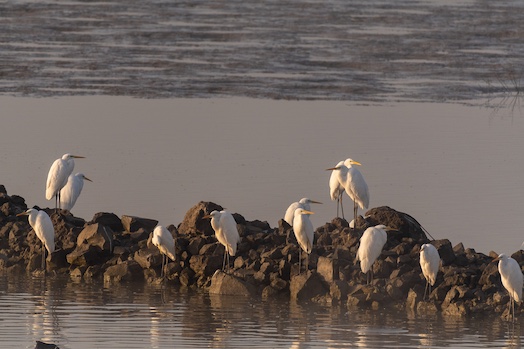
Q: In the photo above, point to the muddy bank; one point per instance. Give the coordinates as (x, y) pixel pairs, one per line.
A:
(119, 249)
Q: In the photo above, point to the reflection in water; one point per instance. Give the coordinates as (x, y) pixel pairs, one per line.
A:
(151, 316)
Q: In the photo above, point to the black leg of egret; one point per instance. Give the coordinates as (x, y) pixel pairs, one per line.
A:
(355, 210)
(299, 261)
(341, 206)
(224, 261)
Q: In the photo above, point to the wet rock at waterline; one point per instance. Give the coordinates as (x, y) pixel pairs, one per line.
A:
(118, 250)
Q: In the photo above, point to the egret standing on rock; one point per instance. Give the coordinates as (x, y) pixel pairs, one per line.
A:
(225, 228)
(290, 212)
(429, 263)
(511, 276)
(58, 175)
(304, 233)
(71, 191)
(44, 230)
(371, 244)
(164, 241)
(336, 189)
(354, 184)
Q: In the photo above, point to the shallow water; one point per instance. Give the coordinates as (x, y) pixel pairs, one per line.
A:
(434, 50)
(79, 316)
(455, 168)
(381, 74)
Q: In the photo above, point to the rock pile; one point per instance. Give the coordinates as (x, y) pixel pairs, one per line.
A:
(119, 249)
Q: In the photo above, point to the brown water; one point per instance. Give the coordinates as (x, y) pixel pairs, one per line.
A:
(245, 103)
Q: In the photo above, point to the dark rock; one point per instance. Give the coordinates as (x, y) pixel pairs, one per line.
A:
(226, 284)
(133, 223)
(405, 225)
(339, 290)
(43, 345)
(307, 286)
(96, 235)
(110, 220)
(327, 269)
(193, 224)
(456, 309)
(445, 251)
(205, 265)
(126, 271)
(86, 255)
(148, 258)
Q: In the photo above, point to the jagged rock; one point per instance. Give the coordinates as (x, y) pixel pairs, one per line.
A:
(193, 224)
(205, 265)
(148, 258)
(456, 309)
(107, 219)
(126, 271)
(327, 269)
(405, 225)
(226, 284)
(307, 286)
(339, 290)
(133, 223)
(445, 251)
(269, 292)
(415, 295)
(427, 308)
(96, 235)
(86, 255)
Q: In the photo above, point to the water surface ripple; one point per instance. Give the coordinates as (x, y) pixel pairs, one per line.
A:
(296, 49)
(151, 316)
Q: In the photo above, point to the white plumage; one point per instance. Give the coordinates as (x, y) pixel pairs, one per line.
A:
(58, 175)
(429, 263)
(226, 232)
(164, 241)
(371, 244)
(336, 189)
(304, 203)
(71, 191)
(512, 278)
(44, 230)
(304, 233)
(354, 184)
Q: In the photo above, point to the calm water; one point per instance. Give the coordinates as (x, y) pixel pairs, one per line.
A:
(245, 103)
(143, 316)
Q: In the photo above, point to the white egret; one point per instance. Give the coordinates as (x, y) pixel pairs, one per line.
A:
(226, 232)
(429, 263)
(303, 203)
(290, 212)
(164, 241)
(336, 189)
(354, 184)
(371, 244)
(511, 276)
(58, 175)
(71, 191)
(44, 230)
(304, 233)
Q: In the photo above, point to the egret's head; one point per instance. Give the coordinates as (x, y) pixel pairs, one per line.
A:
(302, 211)
(350, 162)
(211, 215)
(70, 156)
(81, 175)
(308, 201)
(26, 213)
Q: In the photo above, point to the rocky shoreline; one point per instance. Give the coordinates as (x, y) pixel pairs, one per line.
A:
(119, 249)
